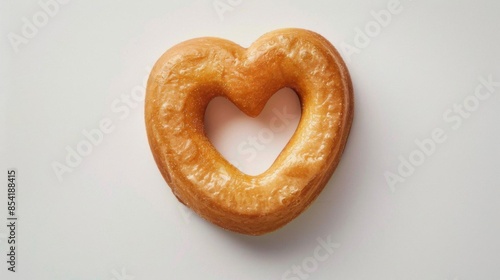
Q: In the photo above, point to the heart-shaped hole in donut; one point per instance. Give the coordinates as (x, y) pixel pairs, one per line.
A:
(253, 144)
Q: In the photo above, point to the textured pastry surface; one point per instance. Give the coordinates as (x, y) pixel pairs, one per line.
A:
(190, 74)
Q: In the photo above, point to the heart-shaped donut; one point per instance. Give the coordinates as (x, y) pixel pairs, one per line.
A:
(190, 74)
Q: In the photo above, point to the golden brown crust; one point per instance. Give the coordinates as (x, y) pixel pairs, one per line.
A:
(190, 74)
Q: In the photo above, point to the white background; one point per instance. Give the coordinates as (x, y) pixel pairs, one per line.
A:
(114, 217)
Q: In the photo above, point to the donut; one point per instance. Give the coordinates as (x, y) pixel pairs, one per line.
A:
(190, 74)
